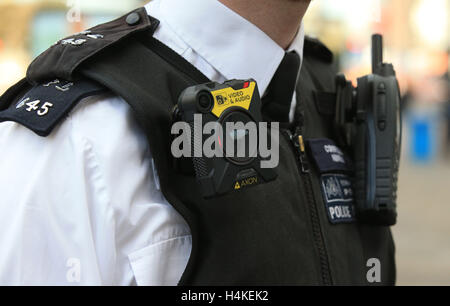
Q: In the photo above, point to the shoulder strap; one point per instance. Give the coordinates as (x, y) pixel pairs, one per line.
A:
(319, 69)
(67, 55)
(315, 48)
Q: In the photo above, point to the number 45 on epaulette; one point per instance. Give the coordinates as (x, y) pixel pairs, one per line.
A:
(45, 105)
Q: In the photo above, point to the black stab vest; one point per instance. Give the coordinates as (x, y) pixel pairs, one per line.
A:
(276, 233)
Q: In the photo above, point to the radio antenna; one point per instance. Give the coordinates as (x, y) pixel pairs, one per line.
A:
(377, 52)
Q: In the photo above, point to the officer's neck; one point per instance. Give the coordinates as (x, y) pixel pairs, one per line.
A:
(279, 19)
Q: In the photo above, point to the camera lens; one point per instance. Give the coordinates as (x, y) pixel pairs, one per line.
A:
(204, 101)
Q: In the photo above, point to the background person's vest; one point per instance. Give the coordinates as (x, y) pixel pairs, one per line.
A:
(278, 233)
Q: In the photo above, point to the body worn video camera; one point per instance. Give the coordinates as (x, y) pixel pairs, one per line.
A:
(369, 121)
(233, 102)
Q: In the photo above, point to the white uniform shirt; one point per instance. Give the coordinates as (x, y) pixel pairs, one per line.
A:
(83, 206)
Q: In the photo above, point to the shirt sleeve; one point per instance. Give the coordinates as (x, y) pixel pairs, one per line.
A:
(83, 206)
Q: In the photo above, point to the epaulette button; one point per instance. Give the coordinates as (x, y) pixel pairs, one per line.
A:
(133, 19)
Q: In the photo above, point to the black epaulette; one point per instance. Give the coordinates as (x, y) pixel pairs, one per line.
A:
(45, 105)
(315, 48)
(63, 58)
(52, 88)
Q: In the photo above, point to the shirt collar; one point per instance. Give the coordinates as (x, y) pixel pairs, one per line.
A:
(231, 44)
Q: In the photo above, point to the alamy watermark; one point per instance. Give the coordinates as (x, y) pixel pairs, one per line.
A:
(235, 140)
(73, 274)
(374, 273)
(74, 12)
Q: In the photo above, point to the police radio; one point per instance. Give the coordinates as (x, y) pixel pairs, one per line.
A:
(233, 102)
(369, 121)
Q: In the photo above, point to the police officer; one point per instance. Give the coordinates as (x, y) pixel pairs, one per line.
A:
(94, 199)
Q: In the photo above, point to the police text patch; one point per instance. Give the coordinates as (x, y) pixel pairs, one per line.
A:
(338, 197)
(328, 156)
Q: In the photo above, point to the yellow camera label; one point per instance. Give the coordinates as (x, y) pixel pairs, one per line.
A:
(246, 182)
(228, 97)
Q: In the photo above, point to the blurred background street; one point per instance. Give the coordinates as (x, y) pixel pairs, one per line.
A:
(417, 41)
(422, 233)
